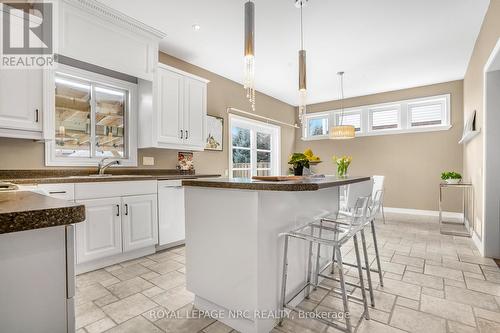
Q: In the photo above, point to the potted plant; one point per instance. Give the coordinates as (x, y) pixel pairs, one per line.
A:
(451, 177)
(298, 162)
(342, 165)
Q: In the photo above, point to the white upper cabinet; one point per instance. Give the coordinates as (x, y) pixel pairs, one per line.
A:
(118, 42)
(21, 103)
(194, 112)
(173, 110)
(21, 96)
(170, 92)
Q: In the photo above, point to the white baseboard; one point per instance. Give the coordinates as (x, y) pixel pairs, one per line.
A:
(408, 211)
(479, 244)
(112, 260)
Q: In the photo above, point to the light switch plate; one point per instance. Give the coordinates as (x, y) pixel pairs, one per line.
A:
(148, 160)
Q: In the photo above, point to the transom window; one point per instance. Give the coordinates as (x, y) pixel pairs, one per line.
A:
(384, 118)
(407, 116)
(90, 119)
(254, 148)
(317, 126)
(427, 113)
(350, 118)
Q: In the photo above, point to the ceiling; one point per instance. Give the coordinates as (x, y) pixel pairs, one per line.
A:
(381, 45)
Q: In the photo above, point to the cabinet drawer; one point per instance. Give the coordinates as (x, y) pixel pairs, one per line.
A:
(59, 191)
(114, 189)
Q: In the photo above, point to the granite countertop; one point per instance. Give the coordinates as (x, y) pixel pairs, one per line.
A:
(306, 184)
(82, 175)
(24, 210)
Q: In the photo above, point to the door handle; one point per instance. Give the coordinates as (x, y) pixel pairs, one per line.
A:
(126, 209)
(57, 192)
(187, 134)
(36, 115)
(182, 134)
(117, 210)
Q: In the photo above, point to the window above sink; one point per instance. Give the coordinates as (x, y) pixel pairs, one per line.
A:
(90, 116)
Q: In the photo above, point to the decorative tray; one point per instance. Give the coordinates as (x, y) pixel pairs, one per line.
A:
(277, 178)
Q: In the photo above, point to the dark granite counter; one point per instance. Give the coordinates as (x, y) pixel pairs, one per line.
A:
(22, 210)
(48, 176)
(306, 184)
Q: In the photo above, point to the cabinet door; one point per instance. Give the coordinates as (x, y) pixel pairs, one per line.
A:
(21, 99)
(171, 220)
(100, 235)
(140, 223)
(170, 106)
(194, 112)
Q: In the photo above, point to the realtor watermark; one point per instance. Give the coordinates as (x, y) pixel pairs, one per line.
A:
(27, 38)
(246, 314)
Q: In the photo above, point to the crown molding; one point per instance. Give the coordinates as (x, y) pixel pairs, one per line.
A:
(116, 16)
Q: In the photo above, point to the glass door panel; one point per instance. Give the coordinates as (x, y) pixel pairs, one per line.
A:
(72, 117)
(242, 162)
(264, 163)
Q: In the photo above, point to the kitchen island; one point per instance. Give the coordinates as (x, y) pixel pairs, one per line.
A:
(37, 280)
(233, 249)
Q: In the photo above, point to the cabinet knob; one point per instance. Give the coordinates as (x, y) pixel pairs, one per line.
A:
(187, 134)
(182, 134)
(126, 209)
(36, 115)
(117, 210)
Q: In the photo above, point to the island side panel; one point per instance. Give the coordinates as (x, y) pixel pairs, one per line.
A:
(33, 281)
(281, 212)
(221, 246)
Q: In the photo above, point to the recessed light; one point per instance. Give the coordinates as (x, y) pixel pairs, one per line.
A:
(196, 27)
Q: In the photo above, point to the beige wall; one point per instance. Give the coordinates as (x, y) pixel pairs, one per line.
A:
(473, 100)
(222, 93)
(412, 163)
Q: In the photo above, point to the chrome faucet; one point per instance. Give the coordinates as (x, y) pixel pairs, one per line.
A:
(101, 167)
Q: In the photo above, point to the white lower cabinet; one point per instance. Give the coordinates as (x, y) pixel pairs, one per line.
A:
(121, 223)
(100, 235)
(139, 222)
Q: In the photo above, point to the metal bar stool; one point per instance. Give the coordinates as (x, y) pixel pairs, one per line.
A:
(374, 209)
(334, 235)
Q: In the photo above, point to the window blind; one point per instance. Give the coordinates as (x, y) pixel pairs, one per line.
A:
(385, 118)
(353, 119)
(426, 114)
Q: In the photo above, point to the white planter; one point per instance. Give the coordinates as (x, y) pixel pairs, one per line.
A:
(452, 181)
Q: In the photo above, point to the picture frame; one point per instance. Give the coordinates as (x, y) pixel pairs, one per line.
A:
(215, 133)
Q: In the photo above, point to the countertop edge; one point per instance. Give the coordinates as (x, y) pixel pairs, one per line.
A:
(83, 179)
(273, 186)
(57, 213)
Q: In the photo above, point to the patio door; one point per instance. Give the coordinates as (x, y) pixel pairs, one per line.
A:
(255, 148)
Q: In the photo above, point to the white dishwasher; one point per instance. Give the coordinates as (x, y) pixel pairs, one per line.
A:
(171, 218)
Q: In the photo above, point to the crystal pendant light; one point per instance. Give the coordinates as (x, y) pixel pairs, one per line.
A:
(340, 131)
(302, 67)
(249, 70)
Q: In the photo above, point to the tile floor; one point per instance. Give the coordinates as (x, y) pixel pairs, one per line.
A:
(432, 283)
